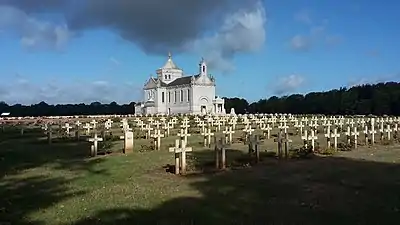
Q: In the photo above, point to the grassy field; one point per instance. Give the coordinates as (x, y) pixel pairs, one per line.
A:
(59, 184)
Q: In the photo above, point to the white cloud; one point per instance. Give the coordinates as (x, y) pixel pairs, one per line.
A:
(300, 43)
(288, 84)
(318, 33)
(242, 32)
(373, 80)
(115, 61)
(303, 16)
(33, 33)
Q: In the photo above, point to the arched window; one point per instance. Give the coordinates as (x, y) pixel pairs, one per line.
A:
(169, 77)
(165, 76)
(204, 69)
(181, 95)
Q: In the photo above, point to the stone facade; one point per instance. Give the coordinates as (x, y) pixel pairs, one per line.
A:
(172, 93)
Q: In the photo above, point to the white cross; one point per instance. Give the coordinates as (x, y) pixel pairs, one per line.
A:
(284, 127)
(87, 127)
(267, 128)
(229, 132)
(312, 137)
(94, 122)
(95, 139)
(157, 124)
(207, 136)
(248, 130)
(157, 139)
(67, 127)
(184, 134)
(180, 149)
(328, 136)
(335, 136)
(305, 138)
(372, 131)
(355, 133)
(388, 131)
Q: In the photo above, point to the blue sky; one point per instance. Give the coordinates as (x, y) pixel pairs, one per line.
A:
(255, 50)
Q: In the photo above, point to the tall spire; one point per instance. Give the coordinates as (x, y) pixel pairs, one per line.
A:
(169, 64)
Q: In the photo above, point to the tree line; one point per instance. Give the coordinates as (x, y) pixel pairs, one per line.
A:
(377, 99)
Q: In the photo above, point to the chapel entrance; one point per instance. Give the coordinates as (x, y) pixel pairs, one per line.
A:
(203, 109)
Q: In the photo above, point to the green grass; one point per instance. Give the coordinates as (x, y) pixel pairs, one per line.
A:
(59, 184)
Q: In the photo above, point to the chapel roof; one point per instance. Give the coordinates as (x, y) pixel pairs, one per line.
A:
(182, 81)
(169, 64)
(178, 81)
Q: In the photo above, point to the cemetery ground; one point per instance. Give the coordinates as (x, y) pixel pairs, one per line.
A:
(59, 183)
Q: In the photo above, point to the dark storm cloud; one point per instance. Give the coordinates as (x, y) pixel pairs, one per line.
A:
(155, 25)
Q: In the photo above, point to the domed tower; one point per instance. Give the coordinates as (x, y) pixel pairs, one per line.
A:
(169, 72)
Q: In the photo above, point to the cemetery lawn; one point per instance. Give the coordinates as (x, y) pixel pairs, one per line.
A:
(58, 184)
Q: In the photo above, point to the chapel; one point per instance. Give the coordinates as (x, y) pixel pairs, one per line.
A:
(173, 93)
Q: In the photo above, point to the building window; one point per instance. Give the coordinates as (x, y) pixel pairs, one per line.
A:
(165, 76)
(169, 77)
(181, 95)
(162, 97)
(169, 96)
(204, 69)
(188, 95)
(176, 96)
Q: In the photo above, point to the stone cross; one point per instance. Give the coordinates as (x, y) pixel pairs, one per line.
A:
(167, 127)
(279, 140)
(185, 125)
(207, 137)
(157, 124)
(266, 130)
(220, 153)
(94, 123)
(87, 127)
(157, 139)
(381, 130)
(312, 138)
(348, 134)
(284, 127)
(355, 134)
(218, 124)
(335, 137)
(366, 134)
(184, 135)
(180, 150)
(95, 140)
(67, 127)
(233, 124)
(328, 136)
(248, 130)
(301, 126)
(305, 138)
(148, 130)
(388, 131)
(228, 132)
(254, 141)
(286, 140)
(202, 125)
(372, 131)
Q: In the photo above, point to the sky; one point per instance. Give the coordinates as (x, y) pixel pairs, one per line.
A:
(81, 51)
